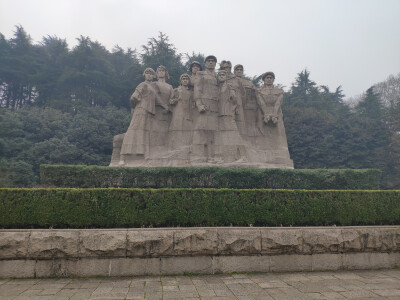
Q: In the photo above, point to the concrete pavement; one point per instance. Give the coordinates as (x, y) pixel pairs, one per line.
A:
(374, 284)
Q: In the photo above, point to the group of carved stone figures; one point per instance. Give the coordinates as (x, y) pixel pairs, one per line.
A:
(212, 118)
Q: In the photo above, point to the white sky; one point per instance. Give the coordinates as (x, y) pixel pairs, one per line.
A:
(353, 43)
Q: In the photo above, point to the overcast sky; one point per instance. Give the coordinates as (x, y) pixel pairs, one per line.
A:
(353, 43)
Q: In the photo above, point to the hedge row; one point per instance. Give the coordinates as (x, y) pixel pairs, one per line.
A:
(168, 177)
(112, 208)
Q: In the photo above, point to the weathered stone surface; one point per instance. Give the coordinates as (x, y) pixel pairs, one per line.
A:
(354, 239)
(89, 267)
(321, 240)
(325, 261)
(147, 243)
(281, 241)
(103, 243)
(13, 244)
(52, 268)
(196, 242)
(233, 241)
(135, 266)
(230, 264)
(181, 265)
(291, 263)
(378, 240)
(47, 244)
(17, 268)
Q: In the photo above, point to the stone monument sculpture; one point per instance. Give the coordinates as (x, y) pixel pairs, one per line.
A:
(211, 119)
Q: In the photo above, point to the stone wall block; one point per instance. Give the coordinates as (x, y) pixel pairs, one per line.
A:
(321, 240)
(196, 242)
(283, 263)
(396, 239)
(370, 239)
(186, 264)
(13, 244)
(150, 243)
(17, 268)
(239, 241)
(103, 243)
(48, 244)
(382, 240)
(354, 240)
(282, 241)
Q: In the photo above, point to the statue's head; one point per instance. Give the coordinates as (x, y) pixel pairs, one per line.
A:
(238, 70)
(225, 65)
(149, 74)
(222, 75)
(268, 78)
(162, 73)
(210, 62)
(184, 79)
(194, 67)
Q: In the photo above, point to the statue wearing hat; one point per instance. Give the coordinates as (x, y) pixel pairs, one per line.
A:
(206, 98)
(247, 105)
(270, 120)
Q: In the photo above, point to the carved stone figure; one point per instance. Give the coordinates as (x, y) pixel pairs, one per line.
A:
(226, 65)
(195, 67)
(230, 144)
(159, 132)
(270, 120)
(135, 144)
(247, 110)
(181, 126)
(206, 94)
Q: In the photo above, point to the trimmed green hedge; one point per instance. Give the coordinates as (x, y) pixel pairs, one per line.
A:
(111, 208)
(76, 176)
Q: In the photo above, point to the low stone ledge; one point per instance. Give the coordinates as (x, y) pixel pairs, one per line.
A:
(50, 244)
(62, 267)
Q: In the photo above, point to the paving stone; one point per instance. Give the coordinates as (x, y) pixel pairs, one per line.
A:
(273, 284)
(388, 292)
(332, 295)
(358, 294)
(187, 288)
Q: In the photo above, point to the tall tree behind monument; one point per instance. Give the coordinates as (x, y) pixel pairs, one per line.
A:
(160, 52)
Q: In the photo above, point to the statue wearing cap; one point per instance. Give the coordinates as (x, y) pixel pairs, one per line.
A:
(247, 107)
(206, 98)
(270, 119)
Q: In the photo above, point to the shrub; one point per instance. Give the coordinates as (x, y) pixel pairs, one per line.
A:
(112, 208)
(206, 177)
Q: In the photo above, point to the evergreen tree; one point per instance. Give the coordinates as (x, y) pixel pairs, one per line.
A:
(159, 51)
(127, 75)
(18, 69)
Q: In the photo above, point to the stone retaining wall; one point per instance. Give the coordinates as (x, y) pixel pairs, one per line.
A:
(112, 252)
